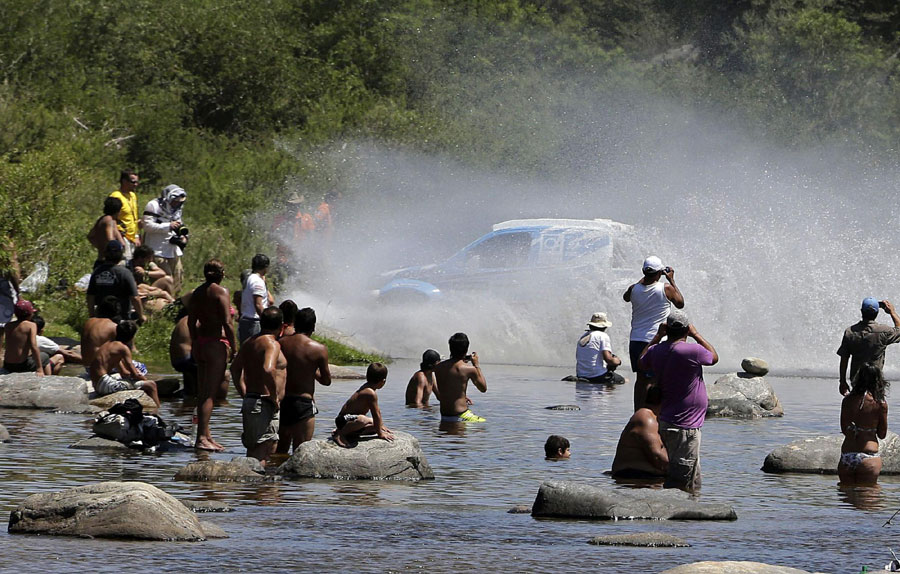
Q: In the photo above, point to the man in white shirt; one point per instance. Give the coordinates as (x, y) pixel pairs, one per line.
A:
(165, 233)
(594, 359)
(254, 298)
(649, 300)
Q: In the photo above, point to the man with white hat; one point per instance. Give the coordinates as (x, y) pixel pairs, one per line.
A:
(649, 300)
(865, 342)
(165, 233)
(594, 359)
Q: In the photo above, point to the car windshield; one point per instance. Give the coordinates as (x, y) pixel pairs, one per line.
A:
(503, 250)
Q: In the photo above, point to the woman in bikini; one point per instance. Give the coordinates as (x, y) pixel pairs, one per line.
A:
(863, 422)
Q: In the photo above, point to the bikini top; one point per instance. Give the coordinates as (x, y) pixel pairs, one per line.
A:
(858, 429)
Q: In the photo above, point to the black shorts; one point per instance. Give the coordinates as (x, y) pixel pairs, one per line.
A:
(608, 378)
(635, 348)
(295, 409)
(28, 365)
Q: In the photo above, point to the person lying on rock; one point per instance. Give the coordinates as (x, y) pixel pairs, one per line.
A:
(422, 383)
(641, 452)
(58, 355)
(863, 421)
(352, 421)
(116, 355)
(557, 448)
(22, 354)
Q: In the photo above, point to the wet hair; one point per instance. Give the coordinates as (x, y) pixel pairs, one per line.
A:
(653, 396)
(459, 345)
(39, 321)
(108, 308)
(125, 175)
(142, 252)
(870, 378)
(125, 331)
(271, 319)
(259, 262)
(305, 321)
(554, 445)
(214, 270)
(376, 373)
(288, 311)
(112, 206)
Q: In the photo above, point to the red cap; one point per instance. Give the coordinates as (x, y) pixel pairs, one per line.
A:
(23, 308)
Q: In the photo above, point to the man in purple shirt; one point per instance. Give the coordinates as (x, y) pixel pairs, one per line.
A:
(679, 368)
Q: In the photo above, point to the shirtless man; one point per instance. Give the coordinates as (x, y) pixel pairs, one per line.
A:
(641, 452)
(422, 384)
(262, 388)
(453, 376)
(307, 362)
(180, 353)
(98, 330)
(289, 312)
(106, 228)
(117, 355)
(212, 344)
(22, 353)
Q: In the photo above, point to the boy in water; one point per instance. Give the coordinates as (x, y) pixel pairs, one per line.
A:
(422, 383)
(557, 448)
(352, 420)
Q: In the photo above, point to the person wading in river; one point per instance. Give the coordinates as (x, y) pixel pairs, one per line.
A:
(863, 421)
(453, 376)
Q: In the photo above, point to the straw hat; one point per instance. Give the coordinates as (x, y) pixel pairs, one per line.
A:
(600, 321)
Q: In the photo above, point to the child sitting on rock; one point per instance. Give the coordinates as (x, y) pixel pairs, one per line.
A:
(352, 421)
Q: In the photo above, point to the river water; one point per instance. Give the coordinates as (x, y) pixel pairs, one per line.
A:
(459, 521)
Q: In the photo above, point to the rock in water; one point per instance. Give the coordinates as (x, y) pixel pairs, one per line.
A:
(4, 434)
(107, 510)
(168, 387)
(99, 443)
(346, 373)
(29, 391)
(574, 500)
(820, 455)
(755, 366)
(371, 458)
(207, 506)
(107, 401)
(742, 396)
(238, 469)
(644, 539)
(563, 408)
(732, 568)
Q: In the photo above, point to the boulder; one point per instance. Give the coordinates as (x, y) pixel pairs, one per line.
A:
(575, 500)
(238, 469)
(371, 458)
(644, 539)
(98, 443)
(107, 401)
(820, 455)
(108, 510)
(207, 506)
(29, 391)
(168, 387)
(732, 567)
(744, 396)
(755, 366)
(4, 434)
(348, 373)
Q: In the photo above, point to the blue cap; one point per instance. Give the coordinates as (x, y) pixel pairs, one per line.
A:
(870, 304)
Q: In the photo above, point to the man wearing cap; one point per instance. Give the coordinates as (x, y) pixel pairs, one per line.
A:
(163, 231)
(22, 353)
(678, 366)
(110, 279)
(649, 299)
(594, 359)
(865, 342)
(129, 217)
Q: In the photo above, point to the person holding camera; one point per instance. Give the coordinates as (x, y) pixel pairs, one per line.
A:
(649, 299)
(866, 341)
(165, 233)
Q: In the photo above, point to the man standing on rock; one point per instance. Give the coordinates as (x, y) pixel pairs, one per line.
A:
(453, 376)
(212, 344)
(263, 365)
(649, 300)
(865, 342)
(678, 366)
(307, 362)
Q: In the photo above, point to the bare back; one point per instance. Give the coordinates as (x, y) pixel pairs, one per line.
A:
(96, 332)
(104, 231)
(208, 311)
(360, 402)
(305, 359)
(110, 356)
(180, 341)
(21, 341)
(419, 388)
(263, 365)
(863, 422)
(640, 446)
(453, 376)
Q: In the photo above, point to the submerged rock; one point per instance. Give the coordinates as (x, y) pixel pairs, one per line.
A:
(519, 509)
(820, 455)
(371, 458)
(108, 510)
(238, 469)
(732, 567)
(29, 391)
(740, 395)
(4, 434)
(644, 539)
(575, 500)
(755, 366)
(168, 387)
(107, 401)
(99, 443)
(207, 506)
(563, 408)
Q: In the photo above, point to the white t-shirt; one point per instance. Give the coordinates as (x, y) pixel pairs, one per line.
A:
(255, 286)
(46, 345)
(589, 361)
(649, 308)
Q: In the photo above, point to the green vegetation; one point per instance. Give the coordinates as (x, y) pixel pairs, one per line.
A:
(231, 100)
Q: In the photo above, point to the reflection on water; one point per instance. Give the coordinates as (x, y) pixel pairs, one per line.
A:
(459, 521)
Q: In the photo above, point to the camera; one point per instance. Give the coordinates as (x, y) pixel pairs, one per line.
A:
(180, 237)
(667, 270)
